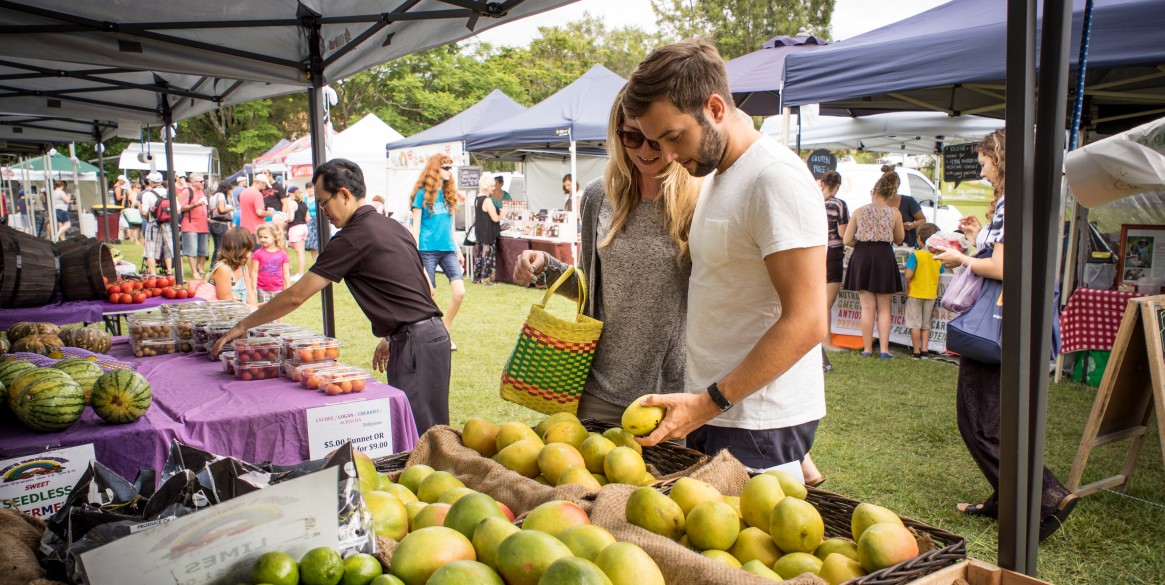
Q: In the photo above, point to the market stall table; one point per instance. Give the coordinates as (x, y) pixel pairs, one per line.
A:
(1091, 319)
(114, 312)
(510, 248)
(59, 313)
(195, 402)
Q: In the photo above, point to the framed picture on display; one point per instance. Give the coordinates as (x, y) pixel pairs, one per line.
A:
(1142, 254)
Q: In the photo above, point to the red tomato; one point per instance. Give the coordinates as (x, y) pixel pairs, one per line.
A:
(137, 285)
(182, 293)
(126, 288)
(113, 289)
(157, 291)
(115, 298)
(168, 293)
(125, 298)
(152, 282)
(139, 297)
(170, 280)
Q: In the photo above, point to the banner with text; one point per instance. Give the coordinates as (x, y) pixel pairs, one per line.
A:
(846, 314)
(38, 484)
(367, 423)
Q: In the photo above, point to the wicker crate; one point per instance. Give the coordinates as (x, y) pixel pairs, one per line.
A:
(837, 510)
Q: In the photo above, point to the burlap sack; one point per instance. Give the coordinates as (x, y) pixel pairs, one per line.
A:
(440, 448)
(19, 540)
(678, 563)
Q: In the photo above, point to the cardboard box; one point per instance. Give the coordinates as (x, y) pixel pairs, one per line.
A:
(975, 572)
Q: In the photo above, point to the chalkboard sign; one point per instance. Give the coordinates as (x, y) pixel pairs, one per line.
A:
(960, 163)
(468, 177)
(820, 161)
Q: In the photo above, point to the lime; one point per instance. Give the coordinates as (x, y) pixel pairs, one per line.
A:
(361, 569)
(275, 568)
(321, 566)
(387, 579)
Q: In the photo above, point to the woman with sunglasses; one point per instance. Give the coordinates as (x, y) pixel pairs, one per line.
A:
(635, 258)
(434, 203)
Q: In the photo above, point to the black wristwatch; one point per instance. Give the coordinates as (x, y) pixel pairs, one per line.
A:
(718, 398)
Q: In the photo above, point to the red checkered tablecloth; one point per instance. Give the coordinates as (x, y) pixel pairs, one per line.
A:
(1092, 318)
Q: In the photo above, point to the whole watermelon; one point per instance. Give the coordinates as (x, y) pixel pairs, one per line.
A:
(12, 367)
(46, 399)
(83, 372)
(121, 396)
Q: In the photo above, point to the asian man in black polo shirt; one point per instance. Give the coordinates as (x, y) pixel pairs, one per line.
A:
(378, 259)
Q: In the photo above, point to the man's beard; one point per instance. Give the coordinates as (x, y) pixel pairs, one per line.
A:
(711, 149)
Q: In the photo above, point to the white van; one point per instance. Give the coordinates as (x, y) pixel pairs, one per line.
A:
(858, 180)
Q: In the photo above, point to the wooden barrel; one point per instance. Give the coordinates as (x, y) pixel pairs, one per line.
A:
(72, 244)
(83, 266)
(29, 277)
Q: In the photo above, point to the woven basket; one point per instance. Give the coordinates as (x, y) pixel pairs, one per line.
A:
(836, 511)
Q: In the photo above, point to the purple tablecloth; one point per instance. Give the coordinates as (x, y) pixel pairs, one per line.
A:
(195, 402)
(59, 313)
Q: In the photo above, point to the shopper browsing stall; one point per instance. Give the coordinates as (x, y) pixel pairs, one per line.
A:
(756, 297)
(634, 255)
(377, 258)
(434, 204)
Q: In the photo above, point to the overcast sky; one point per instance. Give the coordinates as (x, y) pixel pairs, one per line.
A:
(850, 17)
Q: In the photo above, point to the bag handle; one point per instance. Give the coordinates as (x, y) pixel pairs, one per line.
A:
(582, 289)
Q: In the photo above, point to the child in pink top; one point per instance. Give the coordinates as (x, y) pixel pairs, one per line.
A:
(270, 263)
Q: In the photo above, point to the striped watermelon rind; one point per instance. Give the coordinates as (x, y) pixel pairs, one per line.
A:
(121, 396)
(11, 368)
(46, 399)
(84, 372)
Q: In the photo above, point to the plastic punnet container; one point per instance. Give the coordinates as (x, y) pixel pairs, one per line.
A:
(185, 323)
(342, 380)
(313, 349)
(213, 331)
(259, 370)
(309, 374)
(294, 371)
(187, 346)
(271, 330)
(153, 347)
(257, 349)
(228, 362)
(151, 327)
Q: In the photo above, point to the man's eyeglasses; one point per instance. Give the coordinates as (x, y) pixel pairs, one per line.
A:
(634, 140)
(446, 167)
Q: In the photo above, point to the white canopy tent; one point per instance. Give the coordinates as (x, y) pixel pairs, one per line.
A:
(362, 143)
(898, 132)
(188, 158)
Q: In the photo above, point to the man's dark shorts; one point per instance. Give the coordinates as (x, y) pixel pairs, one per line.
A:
(759, 449)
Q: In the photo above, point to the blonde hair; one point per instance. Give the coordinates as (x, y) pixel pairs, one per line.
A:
(430, 182)
(276, 233)
(678, 191)
(994, 147)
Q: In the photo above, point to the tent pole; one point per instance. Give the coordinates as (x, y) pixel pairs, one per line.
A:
(50, 211)
(101, 181)
(315, 108)
(575, 212)
(798, 130)
(1078, 213)
(76, 182)
(171, 192)
(1015, 510)
(29, 215)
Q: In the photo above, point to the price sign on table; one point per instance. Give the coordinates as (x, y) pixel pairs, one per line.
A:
(38, 484)
(367, 423)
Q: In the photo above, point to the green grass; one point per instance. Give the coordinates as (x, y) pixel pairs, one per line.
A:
(890, 438)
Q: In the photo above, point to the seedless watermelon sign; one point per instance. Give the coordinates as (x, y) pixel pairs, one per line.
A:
(38, 484)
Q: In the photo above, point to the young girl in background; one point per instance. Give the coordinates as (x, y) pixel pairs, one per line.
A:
(229, 278)
(873, 269)
(270, 263)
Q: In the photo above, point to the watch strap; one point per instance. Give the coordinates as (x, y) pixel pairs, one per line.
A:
(718, 398)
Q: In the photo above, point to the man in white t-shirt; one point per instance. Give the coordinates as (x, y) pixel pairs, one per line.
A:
(756, 297)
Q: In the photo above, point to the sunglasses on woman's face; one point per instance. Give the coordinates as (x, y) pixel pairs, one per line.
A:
(634, 140)
(446, 167)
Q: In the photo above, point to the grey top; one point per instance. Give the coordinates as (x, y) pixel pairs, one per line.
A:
(640, 292)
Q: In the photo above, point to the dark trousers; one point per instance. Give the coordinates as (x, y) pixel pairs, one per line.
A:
(758, 449)
(977, 403)
(420, 360)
